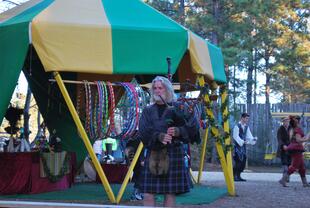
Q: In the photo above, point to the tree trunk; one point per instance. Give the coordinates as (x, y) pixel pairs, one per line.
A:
(267, 90)
(216, 16)
(249, 84)
(255, 75)
(234, 89)
(268, 77)
(181, 12)
(267, 95)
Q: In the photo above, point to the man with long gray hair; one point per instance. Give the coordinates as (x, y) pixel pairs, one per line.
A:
(164, 127)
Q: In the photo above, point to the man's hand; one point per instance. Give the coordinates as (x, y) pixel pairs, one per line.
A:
(173, 131)
(166, 139)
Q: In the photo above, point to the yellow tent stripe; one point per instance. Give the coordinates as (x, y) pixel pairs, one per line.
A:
(67, 40)
(199, 54)
(17, 10)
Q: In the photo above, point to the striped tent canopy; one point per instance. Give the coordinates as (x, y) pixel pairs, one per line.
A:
(103, 37)
(111, 40)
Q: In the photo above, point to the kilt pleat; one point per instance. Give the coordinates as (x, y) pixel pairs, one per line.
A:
(175, 182)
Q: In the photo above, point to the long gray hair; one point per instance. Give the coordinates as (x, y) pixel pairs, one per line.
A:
(170, 96)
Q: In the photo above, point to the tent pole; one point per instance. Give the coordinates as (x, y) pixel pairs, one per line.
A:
(223, 160)
(224, 99)
(85, 139)
(192, 175)
(203, 153)
(176, 86)
(129, 172)
(215, 132)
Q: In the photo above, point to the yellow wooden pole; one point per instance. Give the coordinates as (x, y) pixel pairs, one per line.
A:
(203, 154)
(85, 139)
(228, 178)
(224, 97)
(215, 132)
(192, 175)
(129, 172)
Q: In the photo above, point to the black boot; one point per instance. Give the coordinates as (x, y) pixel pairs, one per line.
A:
(304, 182)
(237, 177)
(283, 180)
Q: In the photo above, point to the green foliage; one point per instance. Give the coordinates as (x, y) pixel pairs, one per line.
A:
(268, 36)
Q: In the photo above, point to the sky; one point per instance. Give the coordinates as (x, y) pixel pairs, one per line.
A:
(22, 82)
(7, 4)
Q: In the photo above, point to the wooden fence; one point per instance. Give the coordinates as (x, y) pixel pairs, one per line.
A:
(265, 127)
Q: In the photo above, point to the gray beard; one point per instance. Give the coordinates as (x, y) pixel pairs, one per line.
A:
(157, 99)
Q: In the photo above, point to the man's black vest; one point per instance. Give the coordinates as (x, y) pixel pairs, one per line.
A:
(242, 134)
(240, 151)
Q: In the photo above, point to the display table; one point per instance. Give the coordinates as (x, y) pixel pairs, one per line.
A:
(20, 174)
(115, 173)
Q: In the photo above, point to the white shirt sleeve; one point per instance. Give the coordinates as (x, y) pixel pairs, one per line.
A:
(249, 137)
(236, 136)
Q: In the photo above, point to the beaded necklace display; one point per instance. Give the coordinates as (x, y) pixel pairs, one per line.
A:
(143, 100)
(122, 107)
(95, 115)
(111, 130)
(99, 108)
(91, 112)
(101, 111)
(135, 111)
(88, 110)
(102, 102)
(105, 121)
(78, 101)
(86, 124)
(130, 119)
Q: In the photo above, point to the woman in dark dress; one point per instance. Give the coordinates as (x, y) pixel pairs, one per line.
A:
(164, 128)
(283, 142)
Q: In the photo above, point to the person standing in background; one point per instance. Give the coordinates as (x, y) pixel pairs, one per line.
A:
(283, 142)
(241, 136)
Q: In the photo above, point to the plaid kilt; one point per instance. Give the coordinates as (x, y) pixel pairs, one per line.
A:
(175, 182)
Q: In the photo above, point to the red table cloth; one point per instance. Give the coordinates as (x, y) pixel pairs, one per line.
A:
(115, 173)
(20, 174)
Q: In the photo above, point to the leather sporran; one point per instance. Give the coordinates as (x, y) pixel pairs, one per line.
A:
(159, 162)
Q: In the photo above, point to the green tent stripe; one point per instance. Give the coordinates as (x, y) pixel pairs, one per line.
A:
(13, 50)
(142, 44)
(29, 14)
(14, 41)
(217, 63)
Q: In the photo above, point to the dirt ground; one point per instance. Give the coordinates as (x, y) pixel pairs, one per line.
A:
(262, 192)
(258, 193)
(265, 194)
